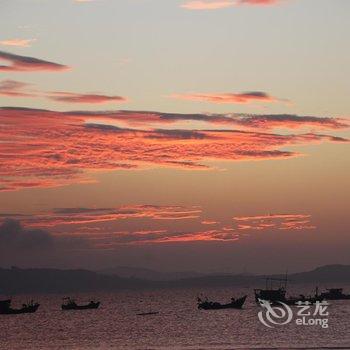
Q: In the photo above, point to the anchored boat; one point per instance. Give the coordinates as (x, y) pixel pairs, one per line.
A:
(276, 295)
(335, 294)
(210, 305)
(72, 305)
(5, 308)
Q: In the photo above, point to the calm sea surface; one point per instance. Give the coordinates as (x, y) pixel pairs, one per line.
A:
(179, 324)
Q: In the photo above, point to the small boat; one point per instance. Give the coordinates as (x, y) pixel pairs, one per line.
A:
(335, 294)
(276, 295)
(210, 305)
(272, 294)
(148, 313)
(72, 305)
(5, 308)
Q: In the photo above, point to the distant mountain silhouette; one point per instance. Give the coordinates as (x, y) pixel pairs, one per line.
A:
(148, 274)
(17, 280)
(328, 274)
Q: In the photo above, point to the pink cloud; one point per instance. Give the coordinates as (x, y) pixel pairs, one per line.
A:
(245, 121)
(13, 88)
(221, 4)
(231, 98)
(70, 97)
(27, 64)
(75, 217)
(57, 148)
(258, 2)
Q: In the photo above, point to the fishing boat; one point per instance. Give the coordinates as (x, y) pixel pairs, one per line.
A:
(335, 294)
(5, 308)
(70, 304)
(278, 294)
(213, 305)
(304, 299)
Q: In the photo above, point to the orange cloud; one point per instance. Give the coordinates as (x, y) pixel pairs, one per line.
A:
(48, 148)
(89, 224)
(86, 216)
(112, 240)
(245, 121)
(96, 226)
(17, 42)
(209, 222)
(208, 5)
(232, 98)
(26, 64)
(274, 222)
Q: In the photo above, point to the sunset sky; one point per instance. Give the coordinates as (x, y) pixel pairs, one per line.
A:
(175, 135)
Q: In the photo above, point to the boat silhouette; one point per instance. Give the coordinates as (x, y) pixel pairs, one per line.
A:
(72, 305)
(278, 294)
(213, 305)
(29, 308)
(335, 294)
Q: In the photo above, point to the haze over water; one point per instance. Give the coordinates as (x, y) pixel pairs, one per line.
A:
(179, 325)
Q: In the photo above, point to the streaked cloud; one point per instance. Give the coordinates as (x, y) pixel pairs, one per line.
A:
(246, 121)
(178, 237)
(230, 98)
(13, 88)
(221, 4)
(209, 222)
(19, 63)
(70, 97)
(134, 224)
(75, 217)
(258, 2)
(208, 5)
(43, 148)
(274, 222)
(17, 42)
(140, 224)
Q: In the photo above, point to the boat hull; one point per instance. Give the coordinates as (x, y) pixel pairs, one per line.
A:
(90, 306)
(30, 309)
(237, 304)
